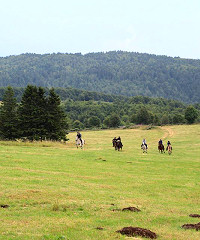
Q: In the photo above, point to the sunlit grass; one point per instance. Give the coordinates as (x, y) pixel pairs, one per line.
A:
(56, 191)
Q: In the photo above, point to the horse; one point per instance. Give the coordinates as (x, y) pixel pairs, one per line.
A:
(117, 144)
(161, 148)
(79, 143)
(114, 142)
(169, 149)
(144, 148)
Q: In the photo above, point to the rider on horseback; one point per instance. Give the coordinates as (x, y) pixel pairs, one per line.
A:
(144, 143)
(160, 142)
(79, 137)
(118, 139)
(168, 144)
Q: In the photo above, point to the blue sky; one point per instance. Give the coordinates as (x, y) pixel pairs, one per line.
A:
(169, 27)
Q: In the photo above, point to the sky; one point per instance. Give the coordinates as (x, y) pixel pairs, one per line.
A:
(161, 27)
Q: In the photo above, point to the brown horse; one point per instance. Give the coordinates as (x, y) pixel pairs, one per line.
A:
(169, 149)
(161, 148)
(117, 144)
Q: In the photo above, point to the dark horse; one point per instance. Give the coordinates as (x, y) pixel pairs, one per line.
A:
(117, 144)
(161, 148)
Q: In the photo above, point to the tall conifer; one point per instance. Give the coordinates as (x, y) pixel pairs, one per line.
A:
(56, 124)
(8, 116)
(33, 113)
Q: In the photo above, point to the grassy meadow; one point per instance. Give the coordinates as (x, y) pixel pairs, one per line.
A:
(55, 191)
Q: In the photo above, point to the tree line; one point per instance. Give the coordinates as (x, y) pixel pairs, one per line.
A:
(36, 117)
(116, 72)
(41, 115)
(97, 114)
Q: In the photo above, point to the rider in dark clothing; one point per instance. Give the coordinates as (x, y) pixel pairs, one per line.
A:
(118, 139)
(79, 136)
(168, 143)
(160, 142)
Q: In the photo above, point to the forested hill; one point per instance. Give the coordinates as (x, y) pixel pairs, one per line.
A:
(119, 73)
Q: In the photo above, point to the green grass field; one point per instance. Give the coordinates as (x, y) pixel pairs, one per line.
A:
(55, 191)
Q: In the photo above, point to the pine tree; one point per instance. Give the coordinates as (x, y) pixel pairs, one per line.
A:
(8, 116)
(56, 125)
(33, 113)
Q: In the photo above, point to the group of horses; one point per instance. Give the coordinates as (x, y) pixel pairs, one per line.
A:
(161, 148)
(117, 144)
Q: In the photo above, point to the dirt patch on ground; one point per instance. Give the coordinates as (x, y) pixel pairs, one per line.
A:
(194, 215)
(132, 209)
(4, 206)
(192, 226)
(136, 231)
(99, 228)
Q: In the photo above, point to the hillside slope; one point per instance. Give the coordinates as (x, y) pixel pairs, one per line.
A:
(120, 73)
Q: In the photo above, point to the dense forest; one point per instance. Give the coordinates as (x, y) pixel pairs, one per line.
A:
(69, 93)
(135, 110)
(85, 109)
(118, 73)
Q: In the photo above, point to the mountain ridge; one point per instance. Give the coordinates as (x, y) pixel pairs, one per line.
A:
(114, 72)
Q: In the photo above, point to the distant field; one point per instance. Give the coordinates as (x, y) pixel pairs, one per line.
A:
(56, 191)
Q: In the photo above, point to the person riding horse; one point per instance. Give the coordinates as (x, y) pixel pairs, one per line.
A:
(168, 144)
(118, 139)
(144, 143)
(117, 143)
(79, 137)
(160, 143)
(161, 146)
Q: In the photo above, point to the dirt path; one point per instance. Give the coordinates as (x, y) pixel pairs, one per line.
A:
(168, 133)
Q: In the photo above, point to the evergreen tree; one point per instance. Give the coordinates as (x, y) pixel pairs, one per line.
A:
(56, 126)
(8, 116)
(33, 113)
